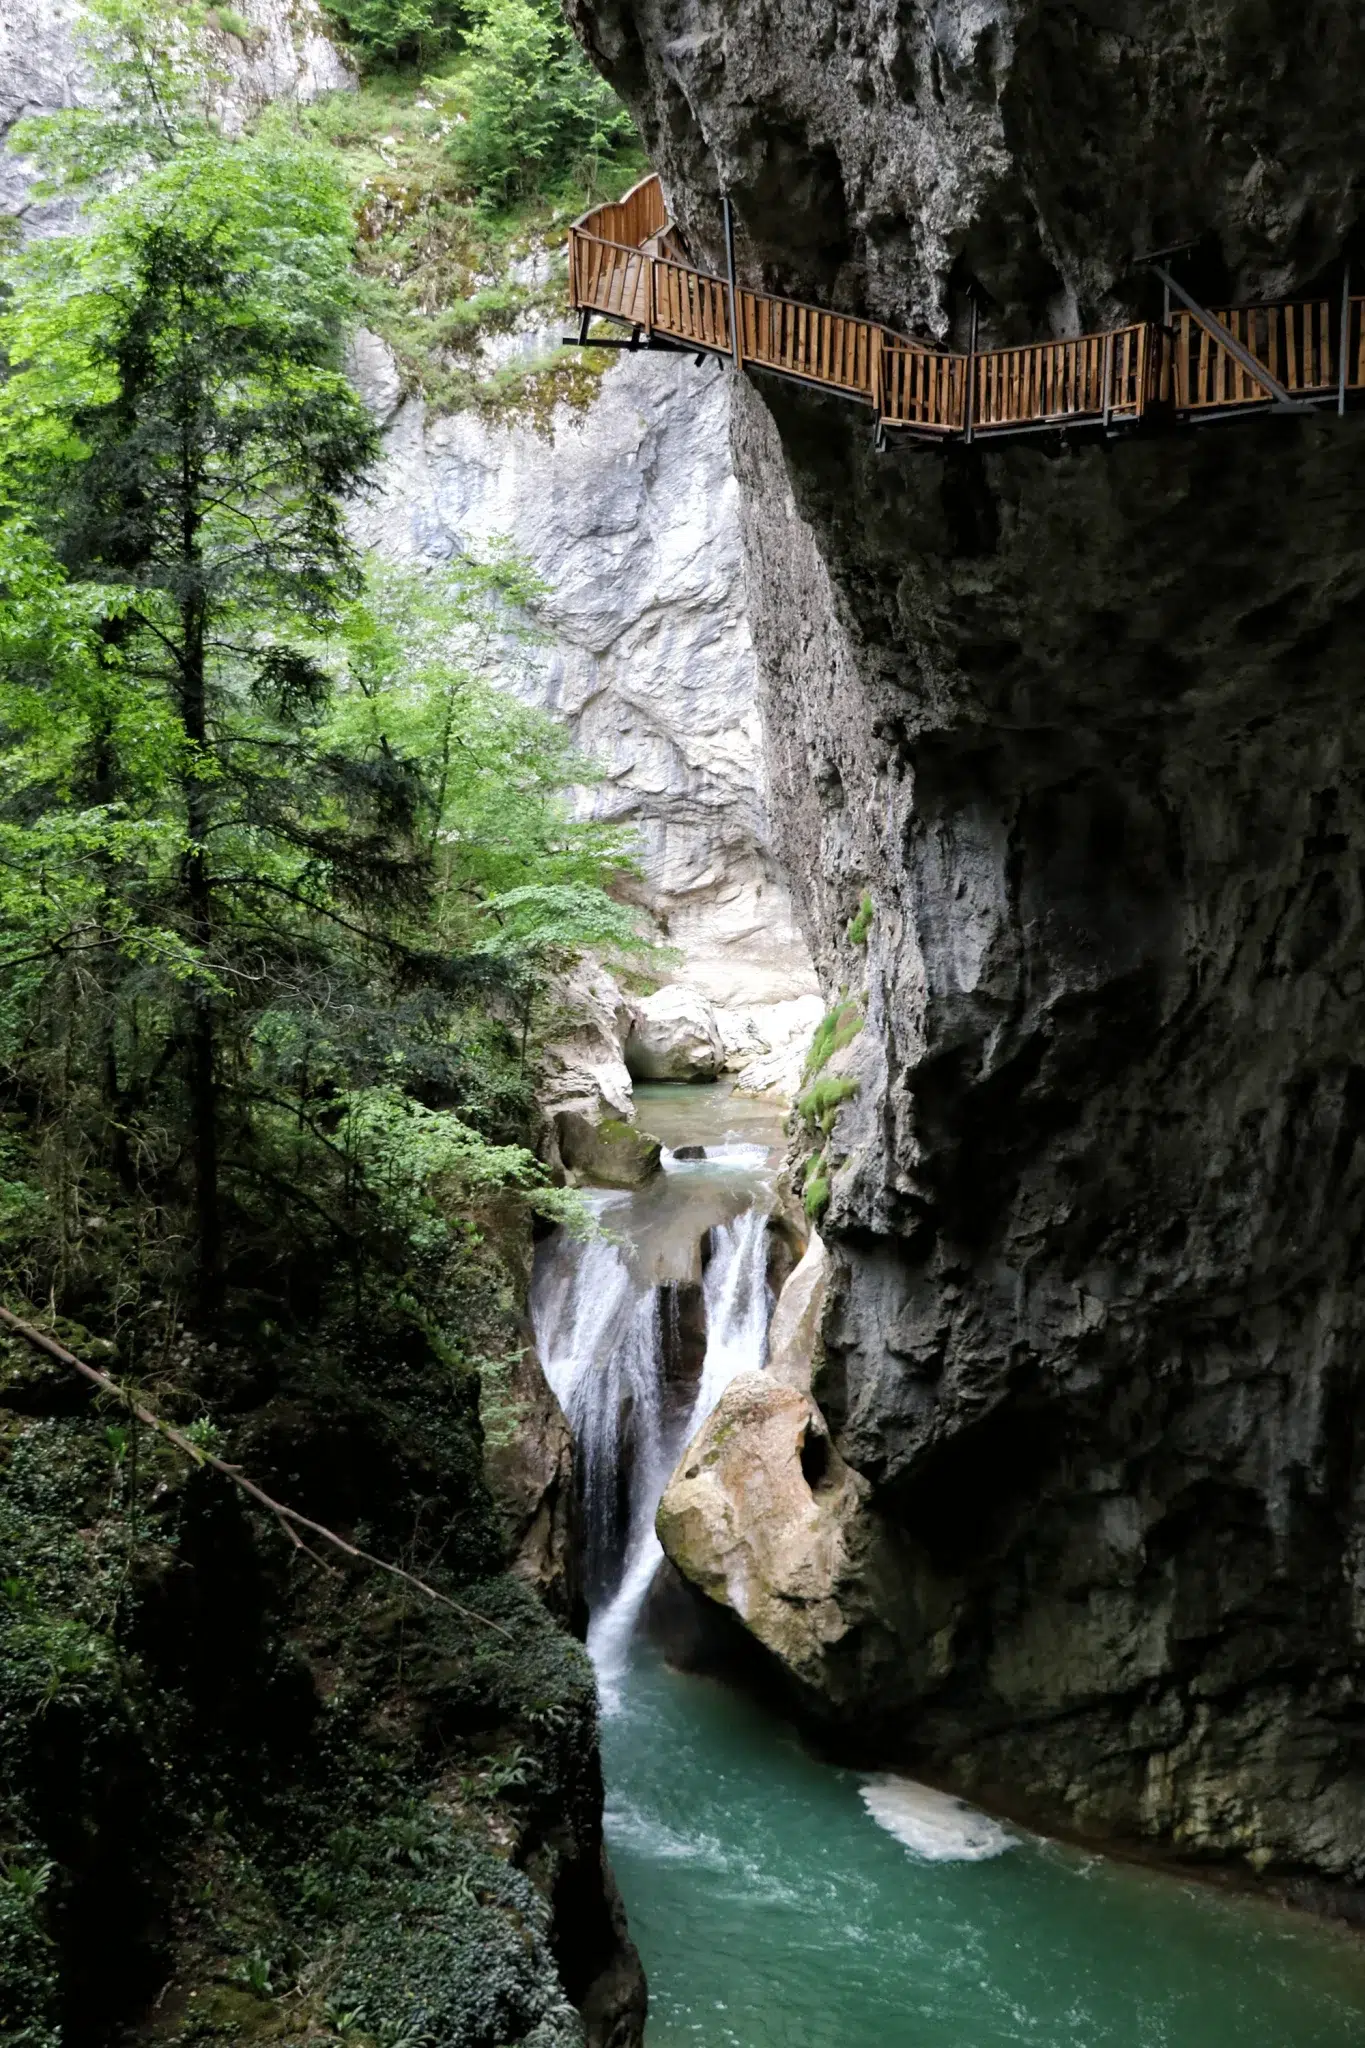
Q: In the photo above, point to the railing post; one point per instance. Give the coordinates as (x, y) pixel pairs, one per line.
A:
(1344, 337)
(736, 347)
(1107, 385)
(969, 397)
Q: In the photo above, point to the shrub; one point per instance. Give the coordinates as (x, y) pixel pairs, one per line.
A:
(230, 22)
(815, 1199)
(392, 30)
(536, 109)
(836, 1029)
(821, 1102)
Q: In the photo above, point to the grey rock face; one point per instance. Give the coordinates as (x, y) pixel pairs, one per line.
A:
(1087, 726)
(43, 69)
(629, 511)
(873, 150)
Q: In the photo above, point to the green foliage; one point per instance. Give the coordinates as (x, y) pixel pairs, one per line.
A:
(279, 830)
(282, 877)
(836, 1029)
(820, 1103)
(393, 30)
(860, 924)
(228, 21)
(161, 74)
(815, 1193)
(28, 1956)
(534, 110)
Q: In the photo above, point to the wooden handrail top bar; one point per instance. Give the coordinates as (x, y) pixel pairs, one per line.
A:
(649, 181)
(1310, 351)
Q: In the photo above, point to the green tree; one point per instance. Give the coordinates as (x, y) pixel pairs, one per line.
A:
(394, 30)
(536, 110)
(160, 70)
(178, 415)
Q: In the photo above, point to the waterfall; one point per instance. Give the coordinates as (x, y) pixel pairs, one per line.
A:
(600, 1334)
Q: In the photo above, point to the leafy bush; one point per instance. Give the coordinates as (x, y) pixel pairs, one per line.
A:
(396, 29)
(815, 1199)
(821, 1102)
(230, 21)
(536, 111)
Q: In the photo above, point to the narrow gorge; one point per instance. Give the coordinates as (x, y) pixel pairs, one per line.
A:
(1079, 721)
(680, 1117)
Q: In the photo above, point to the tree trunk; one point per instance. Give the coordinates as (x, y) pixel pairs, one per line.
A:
(203, 1074)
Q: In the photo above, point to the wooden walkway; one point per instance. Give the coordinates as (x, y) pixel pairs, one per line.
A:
(626, 263)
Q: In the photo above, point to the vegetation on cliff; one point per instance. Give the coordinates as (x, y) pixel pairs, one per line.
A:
(469, 149)
(280, 875)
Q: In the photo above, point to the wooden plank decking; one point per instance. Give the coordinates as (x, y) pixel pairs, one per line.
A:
(626, 264)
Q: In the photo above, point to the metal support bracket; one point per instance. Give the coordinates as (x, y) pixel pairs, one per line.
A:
(735, 349)
(969, 395)
(1284, 400)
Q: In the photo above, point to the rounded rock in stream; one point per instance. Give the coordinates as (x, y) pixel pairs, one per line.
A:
(611, 1154)
(764, 1517)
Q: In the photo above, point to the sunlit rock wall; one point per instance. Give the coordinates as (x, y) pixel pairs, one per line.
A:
(628, 509)
(43, 69)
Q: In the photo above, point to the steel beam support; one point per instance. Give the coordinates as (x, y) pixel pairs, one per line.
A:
(969, 396)
(735, 349)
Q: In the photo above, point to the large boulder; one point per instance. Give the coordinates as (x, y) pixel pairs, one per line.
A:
(674, 1037)
(764, 1517)
(611, 1154)
(580, 1067)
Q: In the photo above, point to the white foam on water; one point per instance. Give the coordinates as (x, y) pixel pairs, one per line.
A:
(933, 1826)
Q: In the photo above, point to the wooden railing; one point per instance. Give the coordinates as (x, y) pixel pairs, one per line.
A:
(1294, 342)
(624, 263)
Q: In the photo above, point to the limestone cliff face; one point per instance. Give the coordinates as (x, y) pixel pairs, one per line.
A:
(1087, 725)
(629, 510)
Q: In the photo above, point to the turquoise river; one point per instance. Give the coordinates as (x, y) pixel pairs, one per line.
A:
(779, 1902)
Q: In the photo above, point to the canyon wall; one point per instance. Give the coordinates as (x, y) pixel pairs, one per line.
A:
(628, 509)
(1084, 722)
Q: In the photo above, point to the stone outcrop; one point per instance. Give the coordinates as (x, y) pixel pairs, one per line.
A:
(794, 1342)
(582, 1070)
(529, 1466)
(610, 1154)
(674, 1037)
(765, 1518)
(628, 510)
(1085, 724)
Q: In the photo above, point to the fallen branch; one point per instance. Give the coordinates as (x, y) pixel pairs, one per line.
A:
(289, 1519)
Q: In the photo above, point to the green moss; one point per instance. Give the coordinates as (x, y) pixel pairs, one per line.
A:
(820, 1103)
(815, 1194)
(836, 1029)
(860, 924)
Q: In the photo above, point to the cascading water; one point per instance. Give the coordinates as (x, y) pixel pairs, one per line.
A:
(599, 1315)
(778, 1902)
